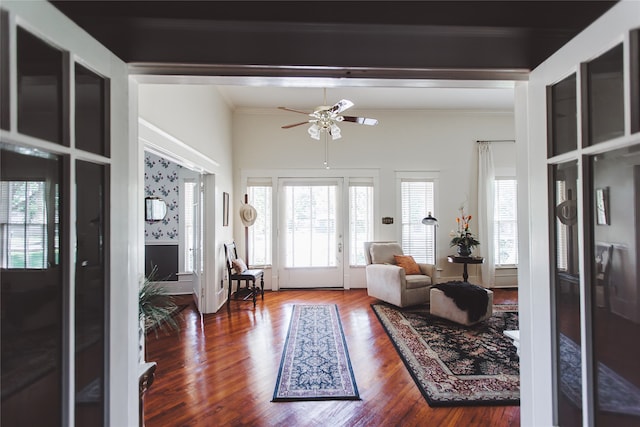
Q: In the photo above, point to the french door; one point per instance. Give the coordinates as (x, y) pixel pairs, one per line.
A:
(310, 236)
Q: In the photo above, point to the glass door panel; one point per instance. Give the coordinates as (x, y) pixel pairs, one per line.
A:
(563, 117)
(605, 91)
(311, 240)
(566, 291)
(615, 288)
(90, 293)
(32, 290)
(40, 106)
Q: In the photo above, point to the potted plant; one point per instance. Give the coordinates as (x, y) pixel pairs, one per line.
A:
(156, 309)
(462, 237)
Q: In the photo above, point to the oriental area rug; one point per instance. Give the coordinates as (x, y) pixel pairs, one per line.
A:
(457, 365)
(315, 362)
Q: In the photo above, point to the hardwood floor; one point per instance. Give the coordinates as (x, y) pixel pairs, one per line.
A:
(220, 369)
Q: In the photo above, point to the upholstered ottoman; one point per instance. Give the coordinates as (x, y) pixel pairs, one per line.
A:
(461, 302)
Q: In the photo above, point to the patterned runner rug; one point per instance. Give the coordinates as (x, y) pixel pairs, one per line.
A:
(456, 365)
(315, 362)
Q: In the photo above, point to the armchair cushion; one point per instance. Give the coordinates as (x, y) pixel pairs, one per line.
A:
(408, 263)
(383, 253)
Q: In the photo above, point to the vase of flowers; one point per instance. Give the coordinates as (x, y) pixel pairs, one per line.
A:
(462, 237)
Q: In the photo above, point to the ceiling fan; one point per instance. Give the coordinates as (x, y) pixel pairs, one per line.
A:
(325, 118)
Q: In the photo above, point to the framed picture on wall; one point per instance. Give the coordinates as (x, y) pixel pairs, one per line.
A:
(225, 209)
(602, 206)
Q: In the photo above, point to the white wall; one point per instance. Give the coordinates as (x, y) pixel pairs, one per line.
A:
(197, 122)
(442, 141)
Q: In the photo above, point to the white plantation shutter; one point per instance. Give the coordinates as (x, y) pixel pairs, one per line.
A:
(360, 219)
(23, 224)
(417, 199)
(505, 228)
(260, 192)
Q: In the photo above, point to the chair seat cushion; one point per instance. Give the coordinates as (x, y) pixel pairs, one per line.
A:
(415, 281)
(248, 275)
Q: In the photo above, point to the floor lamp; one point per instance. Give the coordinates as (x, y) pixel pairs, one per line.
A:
(430, 220)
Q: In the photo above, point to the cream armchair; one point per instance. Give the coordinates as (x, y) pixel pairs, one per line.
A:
(389, 282)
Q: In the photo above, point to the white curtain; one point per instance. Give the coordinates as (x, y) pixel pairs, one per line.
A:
(486, 183)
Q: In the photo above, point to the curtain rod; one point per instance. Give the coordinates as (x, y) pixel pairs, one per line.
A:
(496, 140)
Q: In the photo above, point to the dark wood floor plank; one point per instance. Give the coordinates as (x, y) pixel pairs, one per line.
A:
(220, 369)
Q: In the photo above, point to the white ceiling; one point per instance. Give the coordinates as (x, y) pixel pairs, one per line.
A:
(496, 96)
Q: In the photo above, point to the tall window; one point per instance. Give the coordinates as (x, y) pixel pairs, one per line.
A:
(505, 226)
(260, 233)
(360, 219)
(188, 220)
(23, 224)
(417, 199)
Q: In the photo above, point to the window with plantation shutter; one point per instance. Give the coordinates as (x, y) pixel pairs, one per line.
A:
(23, 225)
(360, 219)
(417, 200)
(505, 226)
(260, 234)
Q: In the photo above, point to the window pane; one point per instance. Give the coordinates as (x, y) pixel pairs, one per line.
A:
(90, 293)
(417, 199)
(260, 197)
(189, 238)
(615, 288)
(360, 222)
(566, 286)
(606, 96)
(91, 103)
(40, 105)
(5, 99)
(31, 336)
(505, 228)
(563, 118)
(311, 226)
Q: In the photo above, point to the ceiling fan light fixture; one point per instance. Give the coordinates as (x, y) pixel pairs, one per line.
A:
(314, 131)
(335, 131)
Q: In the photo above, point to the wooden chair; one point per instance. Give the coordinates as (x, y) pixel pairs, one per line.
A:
(249, 277)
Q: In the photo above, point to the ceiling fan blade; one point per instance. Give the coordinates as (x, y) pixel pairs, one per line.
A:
(360, 120)
(294, 125)
(340, 106)
(294, 111)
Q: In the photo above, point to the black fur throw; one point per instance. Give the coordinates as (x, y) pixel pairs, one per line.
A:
(468, 297)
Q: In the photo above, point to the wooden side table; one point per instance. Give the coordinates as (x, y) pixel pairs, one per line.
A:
(465, 260)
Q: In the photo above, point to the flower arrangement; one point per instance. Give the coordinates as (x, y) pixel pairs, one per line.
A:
(462, 237)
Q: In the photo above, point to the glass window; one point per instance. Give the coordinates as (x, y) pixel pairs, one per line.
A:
(634, 80)
(311, 215)
(91, 105)
(5, 100)
(189, 189)
(360, 220)
(40, 99)
(260, 235)
(24, 223)
(417, 199)
(31, 347)
(90, 293)
(615, 288)
(563, 117)
(566, 287)
(505, 227)
(605, 94)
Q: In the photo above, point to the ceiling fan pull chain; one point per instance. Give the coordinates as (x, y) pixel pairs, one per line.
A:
(326, 151)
